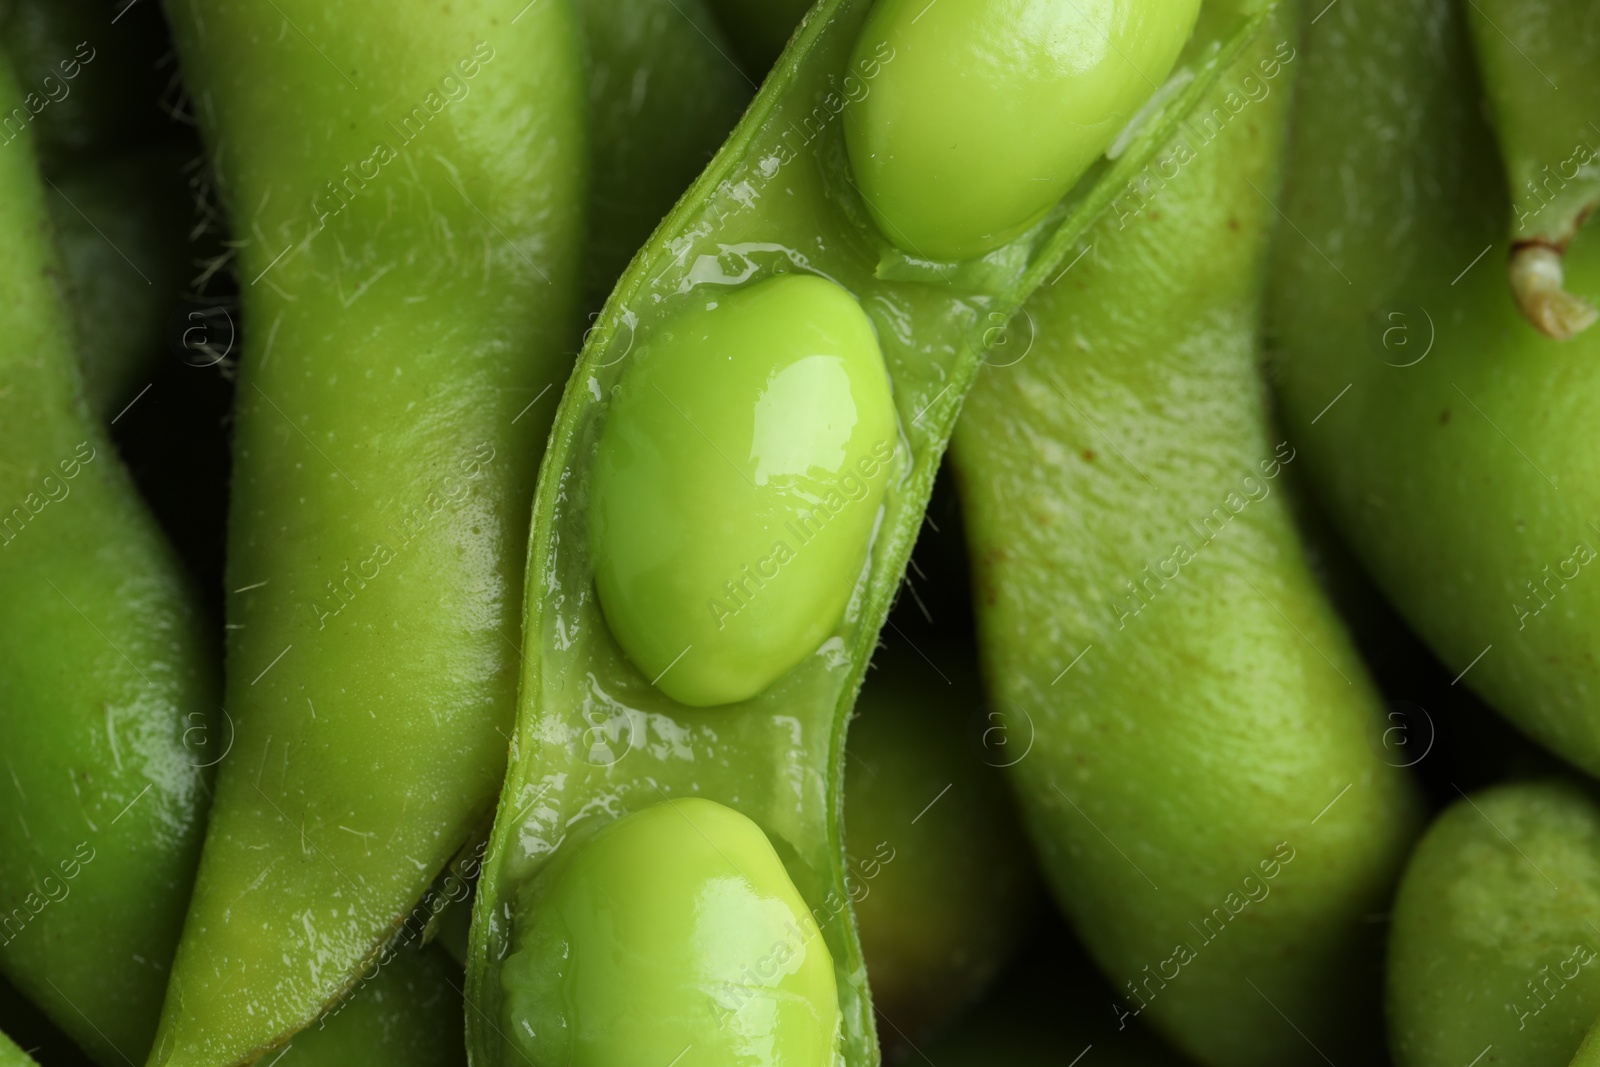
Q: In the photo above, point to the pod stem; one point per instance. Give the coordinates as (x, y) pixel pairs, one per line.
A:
(1536, 283)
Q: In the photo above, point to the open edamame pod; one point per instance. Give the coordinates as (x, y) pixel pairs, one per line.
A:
(1194, 730)
(1536, 60)
(1495, 938)
(797, 499)
(1419, 399)
(106, 676)
(408, 187)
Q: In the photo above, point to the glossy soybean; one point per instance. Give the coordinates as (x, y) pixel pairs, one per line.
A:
(671, 935)
(1493, 936)
(737, 485)
(987, 111)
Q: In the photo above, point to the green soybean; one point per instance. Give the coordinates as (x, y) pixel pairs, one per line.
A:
(737, 484)
(1536, 62)
(938, 868)
(711, 958)
(108, 676)
(408, 187)
(1204, 783)
(991, 111)
(1419, 397)
(1493, 937)
(596, 738)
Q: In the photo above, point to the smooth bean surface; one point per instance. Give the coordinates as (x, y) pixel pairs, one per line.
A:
(673, 933)
(737, 485)
(993, 109)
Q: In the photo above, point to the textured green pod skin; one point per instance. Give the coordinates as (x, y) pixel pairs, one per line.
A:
(1204, 783)
(1536, 61)
(1494, 948)
(107, 684)
(939, 869)
(1450, 441)
(409, 183)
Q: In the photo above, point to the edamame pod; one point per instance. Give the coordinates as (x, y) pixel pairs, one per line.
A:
(1204, 782)
(938, 869)
(1536, 59)
(994, 109)
(597, 738)
(1418, 397)
(408, 184)
(663, 93)
(107, 680)
(1493, 950)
